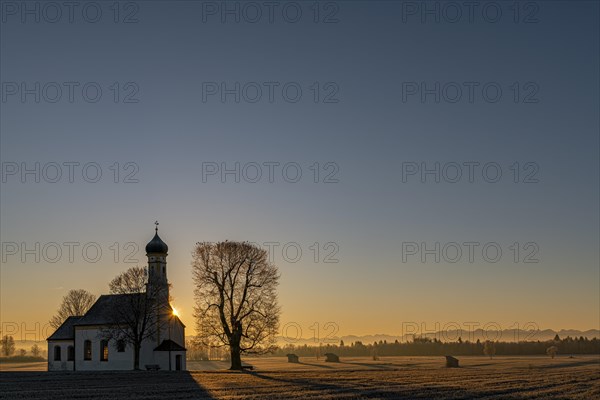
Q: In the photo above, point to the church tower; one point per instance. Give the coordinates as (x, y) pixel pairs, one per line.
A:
(158, 286)
(156, 251)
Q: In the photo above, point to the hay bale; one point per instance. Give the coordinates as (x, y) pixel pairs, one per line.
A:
(451, 362)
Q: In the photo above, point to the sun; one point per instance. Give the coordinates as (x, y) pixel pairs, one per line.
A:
(175, 312)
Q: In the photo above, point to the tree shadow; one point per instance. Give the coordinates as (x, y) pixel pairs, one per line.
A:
(313, 384)
(360, 391)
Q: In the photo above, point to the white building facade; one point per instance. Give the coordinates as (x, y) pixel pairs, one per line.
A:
(87, 342)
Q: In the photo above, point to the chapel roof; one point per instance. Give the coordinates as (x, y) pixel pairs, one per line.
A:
(66, 331)
(108, 309)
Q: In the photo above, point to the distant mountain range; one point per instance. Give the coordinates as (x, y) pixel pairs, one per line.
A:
(505, 335)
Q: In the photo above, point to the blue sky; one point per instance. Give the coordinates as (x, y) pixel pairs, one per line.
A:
(366, 61)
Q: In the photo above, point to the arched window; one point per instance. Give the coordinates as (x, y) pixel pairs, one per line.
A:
(87, 350)
(56, 353)
(120, 346)
(104, 350)
(70, 353)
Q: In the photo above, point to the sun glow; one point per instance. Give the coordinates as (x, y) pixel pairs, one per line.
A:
(175, 312)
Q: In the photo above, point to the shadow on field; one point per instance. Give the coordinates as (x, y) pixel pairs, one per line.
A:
(364, 391)
(388, 366)
(570, 364)
(491, 364)
(316, 365)
(114, 385)
(313, 384)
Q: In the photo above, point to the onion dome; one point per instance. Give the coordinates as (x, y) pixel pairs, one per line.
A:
(156, 245)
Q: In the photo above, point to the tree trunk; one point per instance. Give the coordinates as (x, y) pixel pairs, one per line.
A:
(136, 356)
(234, 346)
(236, 359)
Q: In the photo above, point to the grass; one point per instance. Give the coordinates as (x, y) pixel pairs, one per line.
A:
(353, 378)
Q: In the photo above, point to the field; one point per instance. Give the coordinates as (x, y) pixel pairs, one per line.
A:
(354, 378)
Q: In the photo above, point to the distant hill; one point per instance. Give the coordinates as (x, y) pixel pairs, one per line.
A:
(506, 335)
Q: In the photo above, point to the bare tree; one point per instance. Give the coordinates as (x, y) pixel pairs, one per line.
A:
(138, 312)
(236, 298)
(35, 350)
(7, 345)
(489, 348)
(76, 302)
(551, 351)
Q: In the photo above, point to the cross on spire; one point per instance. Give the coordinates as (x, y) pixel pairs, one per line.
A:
(156, 229)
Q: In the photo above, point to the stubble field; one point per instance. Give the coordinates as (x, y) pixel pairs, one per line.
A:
(353, 378)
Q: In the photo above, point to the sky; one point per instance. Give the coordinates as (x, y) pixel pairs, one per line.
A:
(404, 162)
